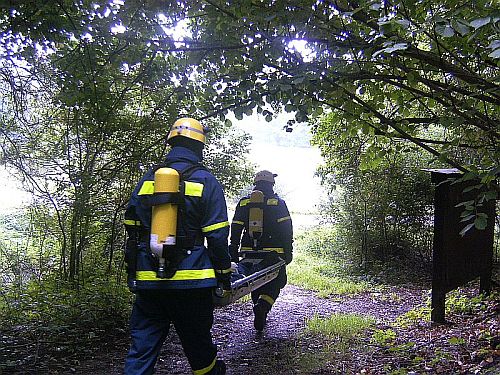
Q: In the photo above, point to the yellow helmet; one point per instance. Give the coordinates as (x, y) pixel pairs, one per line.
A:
(189, 128)
(264, 176)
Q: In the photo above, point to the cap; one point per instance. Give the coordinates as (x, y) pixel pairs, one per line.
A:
(264, 176)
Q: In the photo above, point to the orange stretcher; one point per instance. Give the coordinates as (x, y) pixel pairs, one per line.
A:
(247, 284)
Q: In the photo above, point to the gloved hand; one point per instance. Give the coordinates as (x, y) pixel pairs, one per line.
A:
(234, 267)
(288, 258)
(224, 279)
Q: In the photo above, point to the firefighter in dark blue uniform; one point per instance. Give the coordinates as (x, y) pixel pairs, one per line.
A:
(183, 294)
(274, 240)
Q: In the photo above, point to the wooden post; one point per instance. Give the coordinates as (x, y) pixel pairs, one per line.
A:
(457, 259)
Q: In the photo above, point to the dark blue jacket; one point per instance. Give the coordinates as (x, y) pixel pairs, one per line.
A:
(205, 215)
(277, 233)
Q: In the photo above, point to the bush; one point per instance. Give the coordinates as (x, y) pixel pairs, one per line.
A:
(53, 304)
(380, 198)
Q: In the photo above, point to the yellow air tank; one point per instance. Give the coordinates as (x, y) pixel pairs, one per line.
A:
(164, 216)
(256, 217)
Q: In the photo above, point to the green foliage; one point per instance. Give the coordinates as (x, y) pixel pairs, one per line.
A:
(306, 362)
(402, 348)
(380, 198)
(456, 340)
(383, 337)
(225, 155)
(311, 269)
(319, 240)
(89, 88)
(336, 334)
(86, 105)
(54, 305)
(396, 75)
(458, 302)
(388, 71)
(34, 294)
(414, 317)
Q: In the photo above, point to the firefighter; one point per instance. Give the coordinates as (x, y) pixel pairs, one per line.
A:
(180, 293)
(262, 231)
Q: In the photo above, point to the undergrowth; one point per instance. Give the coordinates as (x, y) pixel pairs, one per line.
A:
(471, 319)
(318, 265)
(330, 339)
(53, 304)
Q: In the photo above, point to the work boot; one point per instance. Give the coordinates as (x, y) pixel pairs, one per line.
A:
(260, 313)
(218, 369)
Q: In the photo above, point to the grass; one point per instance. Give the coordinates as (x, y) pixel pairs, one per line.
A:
(329, 340)
(317, 265)
(342, 327)
(315, 274)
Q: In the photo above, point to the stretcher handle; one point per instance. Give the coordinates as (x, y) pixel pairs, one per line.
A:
(250, 278)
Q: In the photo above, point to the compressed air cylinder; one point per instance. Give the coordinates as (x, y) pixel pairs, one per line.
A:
(164, 216)
(256, 216)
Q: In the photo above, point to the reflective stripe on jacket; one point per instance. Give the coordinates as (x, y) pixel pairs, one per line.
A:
(205, 214)
(277, 233)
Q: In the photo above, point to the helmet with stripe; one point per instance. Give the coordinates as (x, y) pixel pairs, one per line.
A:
(189, 128)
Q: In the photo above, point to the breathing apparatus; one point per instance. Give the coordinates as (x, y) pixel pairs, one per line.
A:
(256, 216)
(164, 218)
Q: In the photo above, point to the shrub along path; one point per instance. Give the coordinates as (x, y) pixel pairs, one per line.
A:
(286, 347)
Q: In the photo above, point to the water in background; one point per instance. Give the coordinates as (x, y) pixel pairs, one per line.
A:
(291, 156)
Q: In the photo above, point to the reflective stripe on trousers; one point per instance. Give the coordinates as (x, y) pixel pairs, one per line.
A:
(191, 313)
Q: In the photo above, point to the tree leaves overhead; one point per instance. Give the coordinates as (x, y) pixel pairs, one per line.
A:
(97, 81)
(423, 73)
(397, 68)
(89, 92)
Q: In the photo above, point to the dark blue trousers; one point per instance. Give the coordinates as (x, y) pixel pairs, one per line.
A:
(191, 313)
(271, 289)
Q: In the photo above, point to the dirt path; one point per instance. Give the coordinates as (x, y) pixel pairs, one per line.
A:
(466, 344)
(247, 352)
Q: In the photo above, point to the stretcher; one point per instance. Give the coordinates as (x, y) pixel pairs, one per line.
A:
(247, 284)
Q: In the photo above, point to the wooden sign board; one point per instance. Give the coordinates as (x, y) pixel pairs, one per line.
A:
(457, 259)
